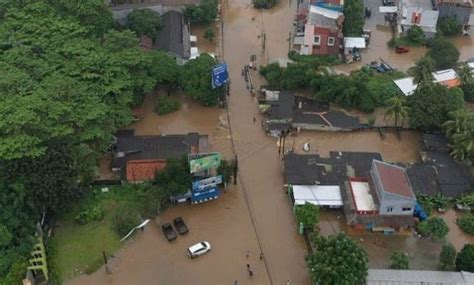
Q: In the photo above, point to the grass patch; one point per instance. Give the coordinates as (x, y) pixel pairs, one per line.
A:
(79, 247)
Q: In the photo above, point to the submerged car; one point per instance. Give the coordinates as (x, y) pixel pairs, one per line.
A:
(401, 49)
(168, 232)
(199, 249)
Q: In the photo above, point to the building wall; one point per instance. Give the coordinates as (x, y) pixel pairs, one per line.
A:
(323, 47)
(397, 204)
(460, 13)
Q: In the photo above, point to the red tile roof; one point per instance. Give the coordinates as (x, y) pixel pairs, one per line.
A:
(144, 169)
(394, 179)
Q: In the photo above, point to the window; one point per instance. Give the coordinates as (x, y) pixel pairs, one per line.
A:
(406, 209)
(317, 40)
(389, 209)
(331, 41)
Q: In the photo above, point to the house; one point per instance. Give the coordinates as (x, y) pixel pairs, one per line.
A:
(439, 172)
(419, 13)
(446, 77)
(323, 31)
(457, 9)
(418, 277)
(174, 38)
(137, 158)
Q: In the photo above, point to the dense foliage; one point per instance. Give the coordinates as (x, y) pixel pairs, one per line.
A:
(264, 4)
(416, 35)
(399, 260)
(144, 22)
(448, 26)
(308, 215)
(437, 227)
(174, 179)
(126, 220)
(396, 109)
(195, 79)
(465, 258)
(466, 224)
(209, 34)
(167, 104)
(204, 13)
(90, 213)
(447, 257)
(467, 81)
(353, 18)
(443, 52)
(337, 259)
(227, 170)
(459, 130)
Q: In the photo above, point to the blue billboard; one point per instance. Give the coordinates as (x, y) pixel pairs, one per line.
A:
(219, 75)
(203, 196)
(203, 184)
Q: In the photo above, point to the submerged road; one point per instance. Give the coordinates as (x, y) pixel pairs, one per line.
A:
(261, 173)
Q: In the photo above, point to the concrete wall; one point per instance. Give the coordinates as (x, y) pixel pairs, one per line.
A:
(397, 203)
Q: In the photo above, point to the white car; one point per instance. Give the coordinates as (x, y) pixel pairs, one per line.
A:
(199, 249)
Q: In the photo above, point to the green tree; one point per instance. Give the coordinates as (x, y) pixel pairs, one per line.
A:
(396, 109)
(273, 74)
(399, 260)
(296, 76)
(416, 35)
(174, 179)
(447, 257)
(429, 107)
(195, 79)
(423, 72)
(204, 13)
(264, 4)
(465, 258)
(226, 169)
(353, 18)
(459, 130)
(467, 81)
(443, 52)
(308, 215)
(448, 26)
(466, 224)
(145, 22)
(166, 104)
(437, 227)
(209, 34)
(337, 259)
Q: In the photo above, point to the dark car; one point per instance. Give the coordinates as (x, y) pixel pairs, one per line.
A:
(180, 226)
(168, 231)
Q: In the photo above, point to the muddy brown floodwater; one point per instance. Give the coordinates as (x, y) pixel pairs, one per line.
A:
(455, 236)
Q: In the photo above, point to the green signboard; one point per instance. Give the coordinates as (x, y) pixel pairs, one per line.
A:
(209, 161)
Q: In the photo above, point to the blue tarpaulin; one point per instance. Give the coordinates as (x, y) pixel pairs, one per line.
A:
(419, 212)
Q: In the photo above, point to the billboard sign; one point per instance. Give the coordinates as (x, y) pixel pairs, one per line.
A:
(219, 75)
(206, 183)
(209, 161)
(209, 194)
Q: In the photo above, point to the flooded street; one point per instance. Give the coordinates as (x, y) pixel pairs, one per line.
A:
(455, 236)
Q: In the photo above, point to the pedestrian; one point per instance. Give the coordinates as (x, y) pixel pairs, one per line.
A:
(236, 282)
(248, 253)
(261, 255)
(250, 272)
(248, 266)
(288, 282)
(254, 119)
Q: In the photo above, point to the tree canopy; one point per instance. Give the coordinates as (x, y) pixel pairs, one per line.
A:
(353, 18)
(144, 22)
(204, 13)
(399, 260)
(447, 257)
(443, 52)
(308, 215)
(195, 79)
(465, 258)
(337, 259)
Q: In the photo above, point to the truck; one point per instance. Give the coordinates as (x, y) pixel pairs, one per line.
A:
(168, 232)
(180, 226)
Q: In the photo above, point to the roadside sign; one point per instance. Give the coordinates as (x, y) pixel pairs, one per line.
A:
(209, 161)
(219, 75)
(206, 183)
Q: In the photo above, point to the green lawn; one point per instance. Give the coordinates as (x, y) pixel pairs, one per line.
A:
(79, 247)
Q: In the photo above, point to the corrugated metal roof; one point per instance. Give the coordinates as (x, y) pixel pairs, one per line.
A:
(417, 277)
(320, 195)
(447, 76)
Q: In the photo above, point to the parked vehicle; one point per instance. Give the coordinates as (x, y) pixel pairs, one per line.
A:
(180, 226)
(168, 232)
(401, 49)
(368, 12)
(199, 249)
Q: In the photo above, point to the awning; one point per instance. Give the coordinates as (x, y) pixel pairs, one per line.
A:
(388, 9)
(351, 42)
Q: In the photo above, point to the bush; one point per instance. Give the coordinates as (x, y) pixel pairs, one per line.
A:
(90, 213)
(437, 227)
(264, 4)
(166, 104)
(443, 52)
(448, 26)
(209, 34)
(125, 220)
(466, 224)
(416, 35)
(447, 257)
(423, 229)
(308, 215)
(465, 258)
(315, 60)
(399, 260)
(204, 13)
(371, 121)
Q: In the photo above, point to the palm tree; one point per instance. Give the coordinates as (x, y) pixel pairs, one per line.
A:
(465, 75)
(422, 73)
(397, 109)
(462, 147)
(460, 121)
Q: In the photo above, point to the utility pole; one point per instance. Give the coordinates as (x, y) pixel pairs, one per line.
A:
(107, 270)
(289, 42)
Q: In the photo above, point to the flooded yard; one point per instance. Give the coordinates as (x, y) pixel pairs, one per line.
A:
(455, 236)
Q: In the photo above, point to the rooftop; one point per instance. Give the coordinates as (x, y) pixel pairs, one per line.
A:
(319, 195)
(446, 77)
(174, 37)
(364, 201)
(418, 277)
(393, 179)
